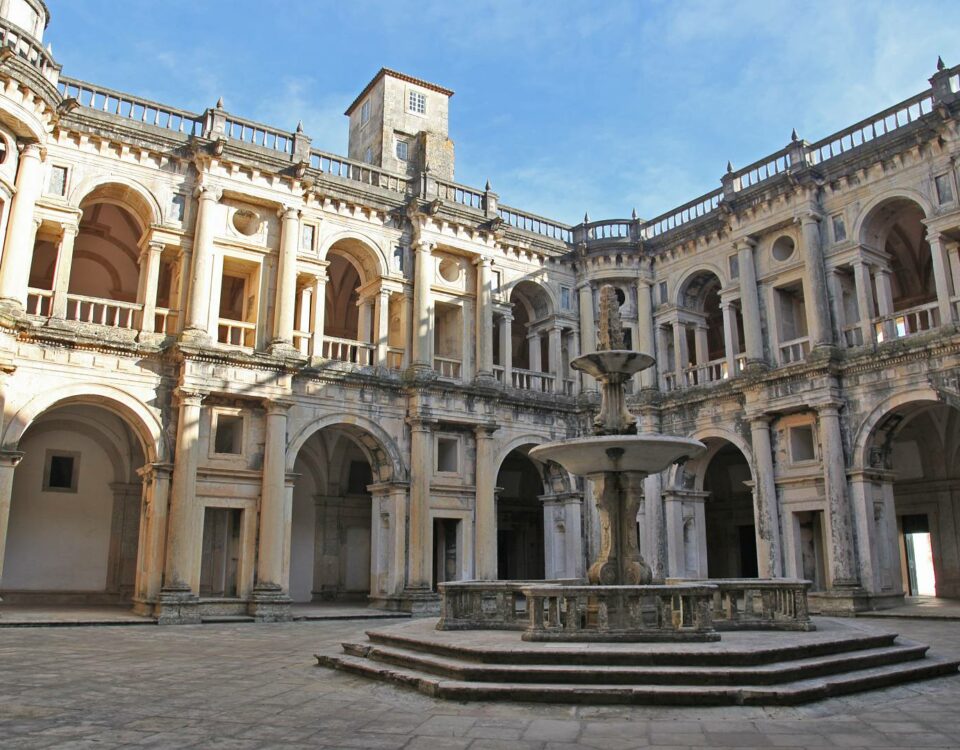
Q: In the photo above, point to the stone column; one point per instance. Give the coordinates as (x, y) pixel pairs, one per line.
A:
(286, 298)
(700, 342)
(319, 312)
(765, 507)
(365, 320)
(506, 348)
(835, 287)
(484, 319)
(271, 603)
(818, 301)
(861, 278)
(533, 350)
(153, 534)
(61, 277)
(21, 228)
(680, 354)
(940, 277)
(730, 338)
(8, 462)
(749, 301)
(422, 357)
(881, 277)
(199, 305)
(563, 546)
(861, 498)
(178, 601)
(382, 315)
(420, 533)
(588, 331)
(555, 347)
(486, 504)
(149, 281)
(844, 572)
(573, 351)
(646, 337)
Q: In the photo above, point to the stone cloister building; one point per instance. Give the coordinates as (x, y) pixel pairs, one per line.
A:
(239, 371)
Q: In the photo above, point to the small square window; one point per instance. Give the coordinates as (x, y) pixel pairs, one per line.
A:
(402, 150)
(801, 444)
(61, 471)
(307, 237)
(365, 112)
(733, 262)
(565, 298)
(58, 181)
(448, 455)
(944, 189)
(228, 434)
(417, 103)
(839, 228)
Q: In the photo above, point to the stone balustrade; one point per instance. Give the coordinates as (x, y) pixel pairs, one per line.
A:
(759, 603)
(482, 605)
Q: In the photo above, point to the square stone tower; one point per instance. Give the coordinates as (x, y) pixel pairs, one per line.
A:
(400, 123)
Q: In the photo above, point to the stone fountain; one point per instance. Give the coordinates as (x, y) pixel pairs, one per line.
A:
(616, 458)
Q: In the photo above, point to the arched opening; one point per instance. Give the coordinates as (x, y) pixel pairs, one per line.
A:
(75, 511)
(699, 332)
(530, 351)
(520, 528)
(915, 452)
(728, 514)
(332, 541)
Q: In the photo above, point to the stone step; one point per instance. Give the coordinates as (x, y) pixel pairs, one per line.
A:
(790, 693)
(768, 674)
(701, 655)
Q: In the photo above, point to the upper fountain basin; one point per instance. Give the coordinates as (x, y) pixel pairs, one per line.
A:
(647, 453)
(610, 361)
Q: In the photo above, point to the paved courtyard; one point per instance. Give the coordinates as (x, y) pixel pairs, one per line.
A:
(256, 686)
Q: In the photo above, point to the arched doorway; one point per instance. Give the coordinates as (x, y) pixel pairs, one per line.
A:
(914, 455)
(700, 332)
(75, 516)
(520, 539)
(728, 513)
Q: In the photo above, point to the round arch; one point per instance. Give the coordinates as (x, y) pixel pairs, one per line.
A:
(536, 289)
(713, 438)
(376, 443)
(689, 276)
(550, 473)
(144, 423)
(120, 191)
(371, 259)
(866, 213)
(867, 429)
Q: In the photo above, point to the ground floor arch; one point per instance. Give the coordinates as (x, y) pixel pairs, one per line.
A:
(520, 526)
(75, 531)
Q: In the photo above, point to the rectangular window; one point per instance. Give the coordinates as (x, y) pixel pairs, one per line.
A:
(564, 298)
(448, 455)
(58, 181)
(663, 292)
(365, 112)
(307, 237)
(402, 150)
(839, 228)
(417, 103)
(398, 258)
(228, 434)
(734, 264)
(801, 444)
(61, 471)
(944, 188)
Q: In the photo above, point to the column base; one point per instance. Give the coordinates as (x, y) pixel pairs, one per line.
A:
(270, 604)
(177, 607)
(419, 371)
(11, 311)
(422, 602)
(285, 349)
(195, 336)
(840, 601)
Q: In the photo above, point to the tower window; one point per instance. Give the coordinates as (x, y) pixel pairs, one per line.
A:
(365, 112)
(564, 298)
(417, 103)
(402, 150)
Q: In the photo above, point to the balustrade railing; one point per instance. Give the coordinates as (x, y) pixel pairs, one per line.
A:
(569, 386)
(347, 169)
(347, 350)
(163, 319)
(670, 381)
(487, 605)
(465, 196)
(762, 170)
(740, 363)
(758, 603)
(303, 342)
(711, 372)
(794, 350)
(394, 358)
(446, 367)
(533, 380)
(908, 322)
(499, 372)
(102, 311)
(131, 107)
(853, 335)
(237, 333)
(528, 222)
(613, 229)
(257, 134)
(39, 302)
(28, 49)
(681, 215)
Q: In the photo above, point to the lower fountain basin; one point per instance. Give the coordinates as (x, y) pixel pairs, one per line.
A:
(647, 453)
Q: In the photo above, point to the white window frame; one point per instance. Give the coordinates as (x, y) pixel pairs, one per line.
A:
(416, 103)
(365, 112)
(406, 150)
(215, 413)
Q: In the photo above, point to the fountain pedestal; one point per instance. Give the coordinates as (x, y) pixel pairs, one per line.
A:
(618, 498)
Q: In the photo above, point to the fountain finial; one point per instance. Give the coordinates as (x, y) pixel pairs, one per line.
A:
(611, 327)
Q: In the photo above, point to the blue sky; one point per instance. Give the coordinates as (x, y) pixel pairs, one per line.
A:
(564, 106)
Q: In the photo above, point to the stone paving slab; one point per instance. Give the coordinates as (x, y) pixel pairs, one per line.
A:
(256, 686)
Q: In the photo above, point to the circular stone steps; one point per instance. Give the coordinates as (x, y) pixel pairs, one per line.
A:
(744, 668)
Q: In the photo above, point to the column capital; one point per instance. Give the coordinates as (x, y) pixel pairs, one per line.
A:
(32, 150)
(934, 237)
(421, 424)
(277, 406)
(73, 229)
(288, 212)
(152, 472)
(190, 396)
(483, 261)
(828, 408)
(209, 193)
(744, 243)
(10, 458)
(485, 431)
(808, 216)
(424, 246)
(760, 421)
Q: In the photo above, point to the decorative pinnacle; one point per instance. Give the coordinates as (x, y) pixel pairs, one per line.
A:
(220, 103)
(487, 186)
(729, 167)
(586, 218)
(633, 214)
(611, 327)
(793, 136)
(940, 65)
(300, 126)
